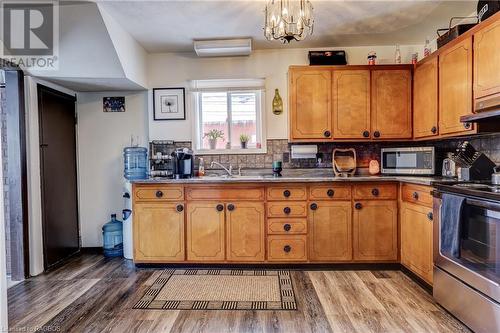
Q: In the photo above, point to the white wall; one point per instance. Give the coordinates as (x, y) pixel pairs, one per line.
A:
(101, 139)
(177, 69)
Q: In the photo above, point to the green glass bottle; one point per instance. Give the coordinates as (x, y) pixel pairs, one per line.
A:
(277, 103)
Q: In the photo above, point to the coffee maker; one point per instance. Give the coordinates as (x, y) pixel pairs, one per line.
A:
(183, 163)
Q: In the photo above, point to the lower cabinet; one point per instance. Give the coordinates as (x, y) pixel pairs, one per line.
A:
(375, 230)
(287, 248)
(158, 232)
(330, 231)
(416, 239)
(205, 231)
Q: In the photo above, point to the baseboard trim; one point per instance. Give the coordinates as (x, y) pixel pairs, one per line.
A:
(417, 279)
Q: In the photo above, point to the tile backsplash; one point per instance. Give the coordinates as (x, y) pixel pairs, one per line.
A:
(279, 150)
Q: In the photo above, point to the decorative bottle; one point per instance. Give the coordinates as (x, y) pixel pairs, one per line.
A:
(277, 103)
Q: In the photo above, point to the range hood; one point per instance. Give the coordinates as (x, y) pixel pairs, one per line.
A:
(487, 110)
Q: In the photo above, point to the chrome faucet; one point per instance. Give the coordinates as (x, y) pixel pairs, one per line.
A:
(229, 171)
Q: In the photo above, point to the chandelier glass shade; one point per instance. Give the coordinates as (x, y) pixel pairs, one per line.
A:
(288, 20)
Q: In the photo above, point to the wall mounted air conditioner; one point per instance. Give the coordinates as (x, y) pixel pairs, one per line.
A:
(223, 47)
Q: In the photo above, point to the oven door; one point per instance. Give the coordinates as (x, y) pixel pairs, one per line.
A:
(477, 261)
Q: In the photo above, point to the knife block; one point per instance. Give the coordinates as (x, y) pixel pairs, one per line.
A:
(480, 169)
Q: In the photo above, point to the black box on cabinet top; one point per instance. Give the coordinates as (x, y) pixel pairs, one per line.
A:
(327, 58)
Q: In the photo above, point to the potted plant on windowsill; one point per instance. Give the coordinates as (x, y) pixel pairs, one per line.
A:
(244, 138)
(212, 136)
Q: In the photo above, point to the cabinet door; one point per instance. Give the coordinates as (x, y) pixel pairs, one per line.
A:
(205, 231)
(158, 232)
(455, 87)
(330, 231)
(310, 104)
(425, 99)
(245, 231)
(351, 104)
(416, 239)
(487, 60)
(375, 225)
(391, 104)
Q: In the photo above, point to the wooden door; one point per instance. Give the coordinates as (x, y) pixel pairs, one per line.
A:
(375, 225)
(330, 232)
(455, 87)
(425, 100)
(391, 104)
(245, 231)
(310, 104)
(487, 60)
(158, 232)
(205, 231)
(351, 104)
(416, 239)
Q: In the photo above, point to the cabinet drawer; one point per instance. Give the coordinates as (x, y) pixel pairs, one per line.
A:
(287, 209)
(158, 193)
(286, 226)
(225, 193)
(375, 192)
(325, 192)
(287, 193)
(286, 248)
(417, 194)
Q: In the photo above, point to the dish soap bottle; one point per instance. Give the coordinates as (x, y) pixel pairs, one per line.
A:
(201, 167)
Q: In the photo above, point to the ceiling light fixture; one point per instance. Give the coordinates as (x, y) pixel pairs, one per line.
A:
(288, 20)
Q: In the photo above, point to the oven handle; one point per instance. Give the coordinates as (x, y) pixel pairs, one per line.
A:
(484, 204)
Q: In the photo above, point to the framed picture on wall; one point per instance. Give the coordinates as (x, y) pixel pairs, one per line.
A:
(169, 104)
(113, 104)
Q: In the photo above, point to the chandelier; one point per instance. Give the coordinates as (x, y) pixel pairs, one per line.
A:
(288, 20)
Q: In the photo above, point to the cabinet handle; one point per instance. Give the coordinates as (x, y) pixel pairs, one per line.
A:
(179, 208)
(434, 129)
(375, 192)
(430, 216)
(219, 207)
(366, 134)
(287, 210)
(287, 227)
(286, 193)
(467, 125)
(358, 205)
(287, 248)
(230, 207)
(330, 193)
(159, 194)
(314, 206)
(327, 133)
(376, 134)
(415, 195)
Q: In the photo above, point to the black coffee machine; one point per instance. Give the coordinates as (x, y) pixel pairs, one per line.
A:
(183, 163)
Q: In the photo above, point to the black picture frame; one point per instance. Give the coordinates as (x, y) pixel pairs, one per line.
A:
(174, 96)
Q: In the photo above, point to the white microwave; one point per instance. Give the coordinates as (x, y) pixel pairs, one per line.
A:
(408, 161)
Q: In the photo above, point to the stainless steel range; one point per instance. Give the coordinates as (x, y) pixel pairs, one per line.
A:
(467, 253)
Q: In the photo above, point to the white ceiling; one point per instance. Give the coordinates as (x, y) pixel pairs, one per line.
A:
(171, 26)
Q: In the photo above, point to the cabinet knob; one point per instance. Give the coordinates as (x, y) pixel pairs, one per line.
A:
(376, 134)
(286, 193)
(366, 134)
(159, 194)
(287, 210)
(314, 206)
(467, 125)
(415, 195)
(375, 192)
(287, 227)
(327, 133)
(330, 193)
(179, 208)
(434, 129)
(358, 205)
(287, 248)
(430, 216)
(219, 207)
(230, 207)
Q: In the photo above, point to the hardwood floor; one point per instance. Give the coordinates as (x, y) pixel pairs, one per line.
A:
(95, 294)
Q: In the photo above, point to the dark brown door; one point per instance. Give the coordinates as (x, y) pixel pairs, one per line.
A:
(61, 237)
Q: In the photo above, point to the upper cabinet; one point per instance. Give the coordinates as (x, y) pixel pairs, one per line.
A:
(351, 104)
(487, 61)
(455, 87)
(425, 99)
(310, 104)
(391, 104)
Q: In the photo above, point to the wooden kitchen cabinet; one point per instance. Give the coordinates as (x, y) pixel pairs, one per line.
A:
(455, 88)
(158, 232)
(416, 239)
(310, 104)
(391, 116)
(351, 104)
(487, 60)
(330, 231)
(375, 230)
(205, 229)
(245, 224)
(425, 99)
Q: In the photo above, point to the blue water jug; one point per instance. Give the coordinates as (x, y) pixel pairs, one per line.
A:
(135, 161)
(112, 235)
